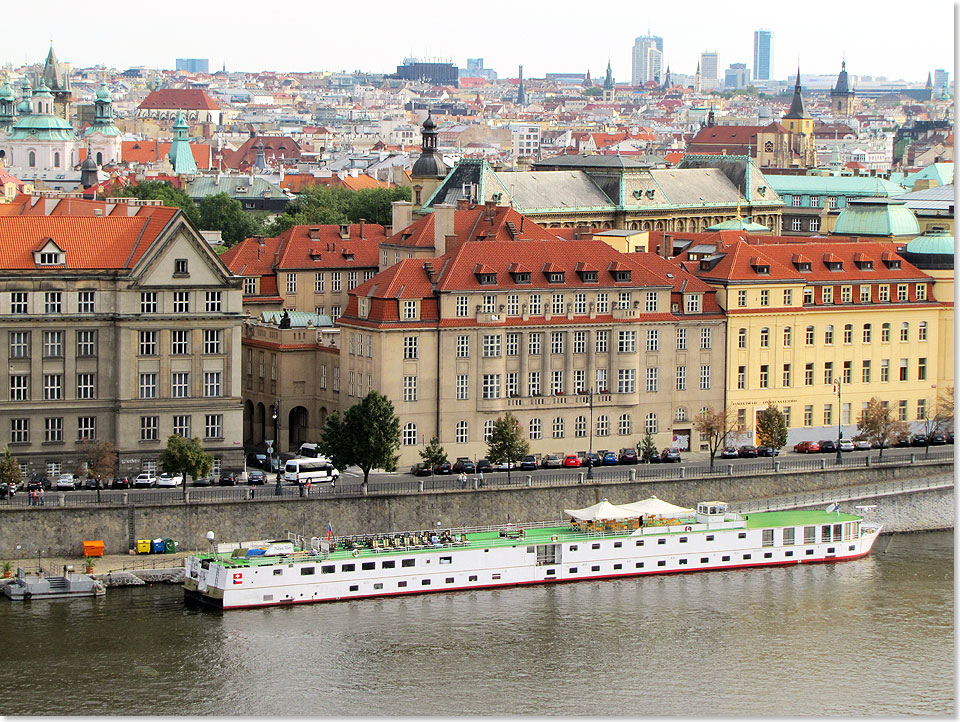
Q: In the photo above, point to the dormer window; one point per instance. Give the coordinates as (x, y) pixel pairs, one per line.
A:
(50, 259)
(621, 276)
(862, 262)
(759, 266)
(49, 254)
(693, 303)
(521, 277)
(553, 273)
(890, 260)
(589, 276)
(487, 279)
(832, 262)
(362, 305)
(555, 277)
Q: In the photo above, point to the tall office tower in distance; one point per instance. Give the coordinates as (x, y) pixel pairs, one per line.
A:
(709, 70)
(647, 59)
(762, 54)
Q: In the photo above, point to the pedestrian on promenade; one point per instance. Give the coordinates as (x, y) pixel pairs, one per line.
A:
(278, 491)
(252, 493)
(480, 479)
(300, 484)
(40, 496)
(99, 488)
(31, 498)
(308, 487)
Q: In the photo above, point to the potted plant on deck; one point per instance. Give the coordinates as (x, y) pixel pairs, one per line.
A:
(7, 569)
(88, 564)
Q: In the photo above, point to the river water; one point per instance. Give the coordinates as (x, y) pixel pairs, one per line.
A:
(869, 637)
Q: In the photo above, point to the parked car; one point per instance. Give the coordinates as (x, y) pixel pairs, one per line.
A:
(255, 478)
(168, 481)
(420, 469)
(571, 461)
(846, 445)
(504, 466)
(257, 460)
(938, 439)
(919, 440)
(670, 455)
(89, 483)
(877, 444)
(768, 451)
(828, 446)
(807, 447)
(594, 457)
(861, 445)
(748, 451)
(39, 481)
(444, 467)
(628, 456)
(552, 461)
(949, 436)
(729, 452)
(230, 477)
(529, 463)
(903, 441)
(484, 466)
(144, 481)
(610, 459)
(202, 481)
(465, 465)
(120, 482)
(66, 482)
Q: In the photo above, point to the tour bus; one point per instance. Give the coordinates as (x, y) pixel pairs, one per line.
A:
(302, 469)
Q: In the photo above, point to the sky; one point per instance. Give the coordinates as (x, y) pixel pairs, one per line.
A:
(880, 38)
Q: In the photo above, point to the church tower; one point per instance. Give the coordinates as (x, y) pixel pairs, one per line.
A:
(8, 107)
(609, 86)
(429, 170)
(104, 140)
(697, 80)
(800, 125)
(58, 83)
(841, 97)
(521, 96)
(181, 156)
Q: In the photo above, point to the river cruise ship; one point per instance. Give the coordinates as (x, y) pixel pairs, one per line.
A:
(601, 542)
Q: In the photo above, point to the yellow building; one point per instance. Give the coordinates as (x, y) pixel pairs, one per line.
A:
(806, 318)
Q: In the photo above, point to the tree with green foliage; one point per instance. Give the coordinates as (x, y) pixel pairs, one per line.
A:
(99, 456)
(593, 92)
(323, 205)
(368, 435)
(10, 470)
(772, 428)
(878, 425)
(507, 444)
(648, 449)
(185, 457)
(433, 454)
(161, 191)
(222, 213)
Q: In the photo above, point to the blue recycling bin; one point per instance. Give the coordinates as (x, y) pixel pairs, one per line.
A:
(158, 546)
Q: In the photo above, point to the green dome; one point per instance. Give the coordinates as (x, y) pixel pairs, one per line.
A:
(42, 127)
(43, 90)
(936, 241)
(6, 92)
(739, 224)
(103, 93)
(883, 217)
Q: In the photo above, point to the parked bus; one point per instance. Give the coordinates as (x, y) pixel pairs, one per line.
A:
(315, 471)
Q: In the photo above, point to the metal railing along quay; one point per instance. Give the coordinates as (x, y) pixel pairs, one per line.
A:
(405, 484)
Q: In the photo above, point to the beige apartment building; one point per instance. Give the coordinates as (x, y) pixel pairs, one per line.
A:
(120, 324)
(584, 344)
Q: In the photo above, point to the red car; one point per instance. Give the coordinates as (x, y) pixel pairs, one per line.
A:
(571, 460)
(807, 447)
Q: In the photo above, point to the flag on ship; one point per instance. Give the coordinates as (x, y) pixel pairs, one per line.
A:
(329, 531)
(834, 507)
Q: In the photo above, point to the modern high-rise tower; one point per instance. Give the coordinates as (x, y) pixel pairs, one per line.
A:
(647, 59)
(709, 70)
(762, 54)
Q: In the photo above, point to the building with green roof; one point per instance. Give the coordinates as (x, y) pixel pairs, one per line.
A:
(181, 157)
(104, 140)
(877, 218)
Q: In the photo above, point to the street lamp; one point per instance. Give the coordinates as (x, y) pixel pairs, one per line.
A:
(275, 412)
(590, 452)
(837, 386)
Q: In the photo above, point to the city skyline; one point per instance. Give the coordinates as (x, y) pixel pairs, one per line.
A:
(551, 43)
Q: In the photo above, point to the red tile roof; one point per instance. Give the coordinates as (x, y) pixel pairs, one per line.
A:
(145, 152)
(275, 147)
(178, 99)
(474, 224)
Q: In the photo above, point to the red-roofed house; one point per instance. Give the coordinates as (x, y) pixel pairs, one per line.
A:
(772, 145)
(137, 323)
(531, 327)
(166, 103)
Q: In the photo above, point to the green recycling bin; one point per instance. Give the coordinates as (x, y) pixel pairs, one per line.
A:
(170, 546)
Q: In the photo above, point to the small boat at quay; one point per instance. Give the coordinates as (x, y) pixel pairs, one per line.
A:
(603, 541)
(26, 587)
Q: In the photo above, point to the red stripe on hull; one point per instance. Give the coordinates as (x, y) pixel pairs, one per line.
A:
(423, 590)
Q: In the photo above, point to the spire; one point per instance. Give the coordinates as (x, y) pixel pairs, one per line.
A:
(929, 84)
(608, 80)
(796, 105)
(521, 96)
(261, 161)
(181, 156)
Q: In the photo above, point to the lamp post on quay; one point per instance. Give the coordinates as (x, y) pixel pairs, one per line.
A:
(837, 386)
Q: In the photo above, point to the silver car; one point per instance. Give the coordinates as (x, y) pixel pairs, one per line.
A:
(847, 445)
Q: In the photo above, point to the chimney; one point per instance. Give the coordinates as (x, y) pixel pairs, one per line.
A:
(490, 209)
(401, 215)
(463, 204)
(362, 220)
(345, 231)
(666, 245)
(98, 212)
(260, 241)
(428, 269)
(443, 215)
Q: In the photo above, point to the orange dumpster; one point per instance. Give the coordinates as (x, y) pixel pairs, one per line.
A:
(93, 549)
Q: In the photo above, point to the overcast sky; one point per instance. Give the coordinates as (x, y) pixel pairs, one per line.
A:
(893, 39)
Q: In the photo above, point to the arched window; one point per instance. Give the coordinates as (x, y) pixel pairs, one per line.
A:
(32, 159)
(904, 331)
(885, 333)
(603, 425)
(848, 333)
(536, 429)
(764, 338)
(558, 427)
(410, 435)
(787, 336)
(650, 424)
(681, 414)
(828, 334)
(742, 338)
(487, 430)
(867, 333)
(56, 160)
(99, 158)
(580, 426)
(462, 432)
(922, 331)
(626, 425)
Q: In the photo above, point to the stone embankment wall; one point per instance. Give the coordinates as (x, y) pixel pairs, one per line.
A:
(60, 531)
(916, 511)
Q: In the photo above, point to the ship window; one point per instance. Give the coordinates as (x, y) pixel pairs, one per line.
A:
(788, 536)
(747, 556)
(852, 547)
(809, 552)
(449, 580)
(348, 567)
(767, 555)
(306, 571)
(401, 584)
(378, 585)
(825, 533)
(530, 550)
(639, 565)
(742, 535)
(388, 565)
(354, 587)
(661, 563)
(595, 546)
(683, 540)
(639, 542)
(472, 578)
(328, 569)
(831, 550)
(683, 561)
(496, 576)
(408, 562)
(709, 537)
(277, 572)
(595, 568)
(809, 534)
(767, 538)
(788, 554)
(617, 545)
(573, 547)
(725, 558)
(837, 531)
(368, 565)
(572, 570)
(449, 560)
(618, 566)
(424, 582)
(661, 541)
(268, 597)
(704, 560)
(551, 572)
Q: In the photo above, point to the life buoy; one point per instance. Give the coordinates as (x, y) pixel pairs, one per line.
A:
(554, 538)
(356, 553)
(27, 595)
(688, 528)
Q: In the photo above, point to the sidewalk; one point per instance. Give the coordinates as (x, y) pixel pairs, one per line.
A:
(104, 564)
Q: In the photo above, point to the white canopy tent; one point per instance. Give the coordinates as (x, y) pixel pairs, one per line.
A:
(655, 507)
(602, 511)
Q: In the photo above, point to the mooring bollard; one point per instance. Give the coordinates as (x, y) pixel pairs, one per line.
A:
(529, 480)
(729, 469)
(823, 464)
(683, 473)
(776, 467)
(419, 484)
(633, 474)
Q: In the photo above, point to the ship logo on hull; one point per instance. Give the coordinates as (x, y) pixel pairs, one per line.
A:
(238, 578)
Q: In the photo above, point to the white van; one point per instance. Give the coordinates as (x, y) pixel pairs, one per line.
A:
(302, 469)
(309, 451)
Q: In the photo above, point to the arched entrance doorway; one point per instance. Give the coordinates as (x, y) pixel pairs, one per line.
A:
(259, 421)
(297, 423)
(248, 423)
